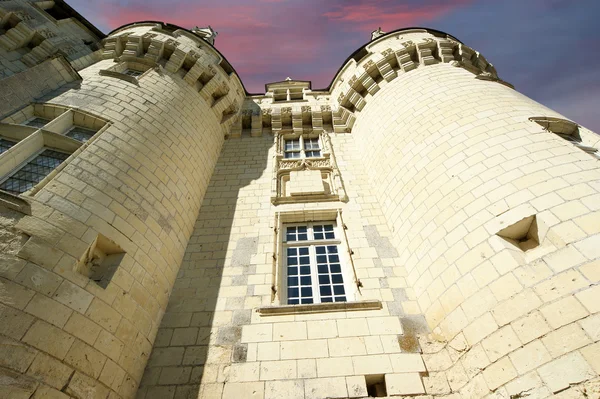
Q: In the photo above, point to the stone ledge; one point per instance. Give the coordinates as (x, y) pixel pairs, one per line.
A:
(319, 308)
(14, 202)
(119, 75)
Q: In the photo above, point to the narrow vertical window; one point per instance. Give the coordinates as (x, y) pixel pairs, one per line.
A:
(292, 148)
(311, 147)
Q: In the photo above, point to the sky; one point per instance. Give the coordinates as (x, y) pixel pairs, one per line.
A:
(548, 49)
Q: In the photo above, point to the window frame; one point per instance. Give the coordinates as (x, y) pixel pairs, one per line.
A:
(18, 168)
(134, 73)
(302, 150)
(344, 261)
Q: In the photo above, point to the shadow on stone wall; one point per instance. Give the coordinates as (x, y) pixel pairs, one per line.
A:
(209, 306)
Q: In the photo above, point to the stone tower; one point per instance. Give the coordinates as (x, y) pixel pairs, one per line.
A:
(417, 228)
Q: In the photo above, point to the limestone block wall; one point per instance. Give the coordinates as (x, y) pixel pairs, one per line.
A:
(213, 341)
(454, 160)
(139, 184)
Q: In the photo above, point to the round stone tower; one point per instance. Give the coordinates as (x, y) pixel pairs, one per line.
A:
(121, 212)
(492, 200)
(461, 221)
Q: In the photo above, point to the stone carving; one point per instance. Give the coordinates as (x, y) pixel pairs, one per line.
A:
(377, 33)
(23, 16)
(306, 109)
(47, 33)
(301, 164)
(208, 33)
(368, 65)
(286, 110)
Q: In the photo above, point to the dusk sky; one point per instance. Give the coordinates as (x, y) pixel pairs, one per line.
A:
(548, 49)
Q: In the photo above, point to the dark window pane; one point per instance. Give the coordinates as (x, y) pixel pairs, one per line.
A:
(321, 259)
(292, 281)
(335, 268)
(293, 292)
(340, 299)
(304, 260)
(81, 134)
(320, 250)
(304, 270)
(329, 235)
(318, 236)
(5, 145)
(337, 279)
(325, 290)
(37, 122)
(292, 261)
(293, 301)
(303, 251)
(292, 271)
(339, 290)
(329, 299)
(307, 300)
(322, 269)
(332, 249)
(305, 280)
(306, 291)
(323, 279)
(334, 258)
(302, 236)
(292, 251)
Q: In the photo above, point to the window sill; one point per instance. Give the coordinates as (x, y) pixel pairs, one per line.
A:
(319, 308)
(119, 75)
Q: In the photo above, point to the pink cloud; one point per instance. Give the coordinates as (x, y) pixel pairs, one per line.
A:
(368, 15)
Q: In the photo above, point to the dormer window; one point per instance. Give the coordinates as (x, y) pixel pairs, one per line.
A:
(132, 72)
(288, 90)
(302, 147)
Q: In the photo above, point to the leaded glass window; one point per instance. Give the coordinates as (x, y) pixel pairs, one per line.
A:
(80, 133)
(33, 172)
(5, 145)
(313, 266)
(37, 122)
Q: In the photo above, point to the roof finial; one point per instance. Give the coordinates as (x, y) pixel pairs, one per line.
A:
(377, 33)
(288, 79)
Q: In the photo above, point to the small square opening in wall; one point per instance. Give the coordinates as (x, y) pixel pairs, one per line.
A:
(101, 260)
(522, 234)
(376, 385)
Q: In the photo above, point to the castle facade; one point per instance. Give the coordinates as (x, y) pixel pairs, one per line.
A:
(418, 228)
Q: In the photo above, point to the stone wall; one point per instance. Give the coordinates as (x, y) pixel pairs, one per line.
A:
(213, 342)
(469, 233)
(454, 160)
(137, 187)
